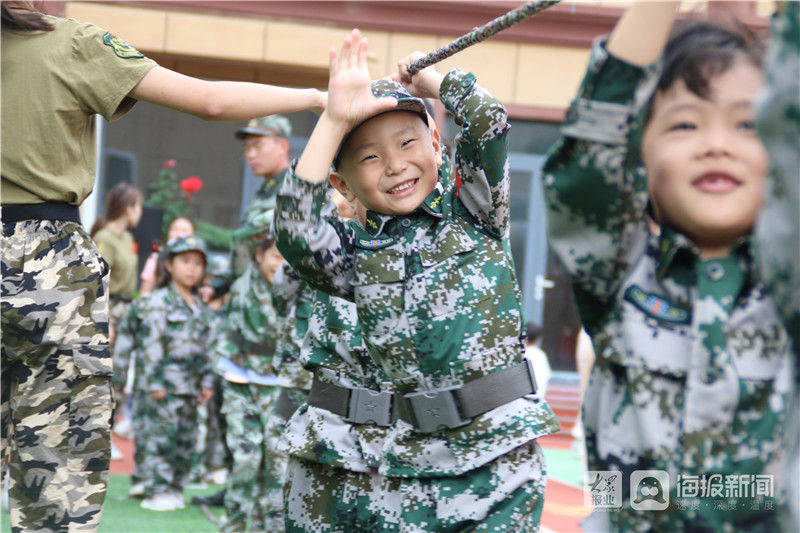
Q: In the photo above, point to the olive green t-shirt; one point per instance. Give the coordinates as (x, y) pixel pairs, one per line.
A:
(53, 82)
(119, 251)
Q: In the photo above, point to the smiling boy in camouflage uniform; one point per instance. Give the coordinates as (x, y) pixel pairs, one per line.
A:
(693, 363)
(437, 299)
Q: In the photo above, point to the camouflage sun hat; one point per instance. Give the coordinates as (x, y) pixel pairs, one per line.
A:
(405, 102)
(271, 125)
(256, 230)
(190, 243)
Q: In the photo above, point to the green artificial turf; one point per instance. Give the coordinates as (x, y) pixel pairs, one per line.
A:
(564, 465)
(123, 515)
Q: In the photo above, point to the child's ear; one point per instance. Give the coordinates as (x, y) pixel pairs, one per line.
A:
(340, 185)
(437, 144)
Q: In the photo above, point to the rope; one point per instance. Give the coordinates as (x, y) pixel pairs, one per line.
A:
(527, 10)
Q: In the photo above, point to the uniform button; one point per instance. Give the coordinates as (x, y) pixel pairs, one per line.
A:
(406, 222)
(714, 271)
(420, 326)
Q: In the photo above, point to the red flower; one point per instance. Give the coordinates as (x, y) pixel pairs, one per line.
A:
(191, 185)
(169, 163)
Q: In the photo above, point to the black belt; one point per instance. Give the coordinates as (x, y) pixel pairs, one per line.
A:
(13, 213)
(285, 406)
(427, 411)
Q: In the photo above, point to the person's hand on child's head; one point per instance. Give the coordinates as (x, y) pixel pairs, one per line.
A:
(350, 98)
(423, 84)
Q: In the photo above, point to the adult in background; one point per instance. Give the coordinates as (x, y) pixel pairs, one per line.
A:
(118, 248)
(267, 149)
(56, 392)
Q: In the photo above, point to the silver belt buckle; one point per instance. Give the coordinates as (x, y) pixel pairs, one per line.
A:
(369, 407)
(435, 410)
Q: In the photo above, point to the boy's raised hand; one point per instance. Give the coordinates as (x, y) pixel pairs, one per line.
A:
(423, 84)
(350, 98)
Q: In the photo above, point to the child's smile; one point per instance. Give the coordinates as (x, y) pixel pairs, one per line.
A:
(391, 163)
(706, 166)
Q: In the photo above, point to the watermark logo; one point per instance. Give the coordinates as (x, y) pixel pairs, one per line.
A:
(649, 490)
(604, 489)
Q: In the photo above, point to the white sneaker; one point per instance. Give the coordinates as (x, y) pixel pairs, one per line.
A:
(137, 490)
(124, 428)
(217, 477)
(177, 497)
(160, 502)
(116, 454)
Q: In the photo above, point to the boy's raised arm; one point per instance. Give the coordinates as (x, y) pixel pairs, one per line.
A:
(595, 189)
(481, 145)
(350, 101)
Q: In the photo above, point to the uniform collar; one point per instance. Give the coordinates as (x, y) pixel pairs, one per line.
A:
(274, 182)
(436, 204)
(675, 248)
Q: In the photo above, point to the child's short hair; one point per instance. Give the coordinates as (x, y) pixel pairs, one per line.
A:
(698, 50)
(265, 244)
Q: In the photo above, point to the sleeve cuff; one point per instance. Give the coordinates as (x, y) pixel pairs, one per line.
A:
(455, 87)
(612, 94)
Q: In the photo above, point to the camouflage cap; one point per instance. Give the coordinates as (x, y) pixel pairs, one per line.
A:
(256, 230)
(405, 102)
(219, 264)
(189, 243)
(271, 125)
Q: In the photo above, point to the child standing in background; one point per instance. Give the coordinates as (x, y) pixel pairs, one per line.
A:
(175, 327)
(248, 337)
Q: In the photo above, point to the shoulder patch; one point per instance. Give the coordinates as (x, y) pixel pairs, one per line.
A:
(374, 244)
(120, 47)
(656, 306)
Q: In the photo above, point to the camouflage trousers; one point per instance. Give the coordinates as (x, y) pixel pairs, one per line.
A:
(118, 309)
(504, 495)
(56, 390)
(169, 428)
(252, 482)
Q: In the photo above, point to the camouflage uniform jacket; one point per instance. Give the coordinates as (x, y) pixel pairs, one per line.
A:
(693, 365)
(262, 201)
(128, 343)
(334, 350)
(293, 299)
(251, 326)
(779, 127)
(776, 232)
(174, 339)
(437, 297)
(265, 196)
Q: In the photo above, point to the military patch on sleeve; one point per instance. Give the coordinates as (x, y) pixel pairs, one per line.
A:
(120, 47)
(656, 306)
(374, 244)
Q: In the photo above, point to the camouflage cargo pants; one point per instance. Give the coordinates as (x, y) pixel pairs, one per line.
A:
(504, 495)
(169, 438)
(56, 391)
(246, 409)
